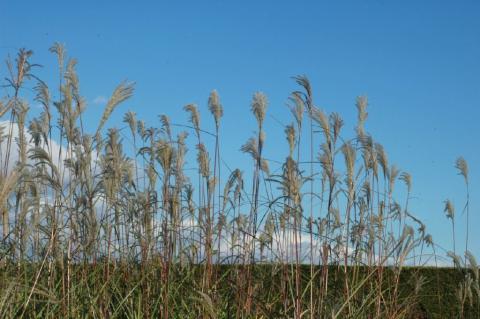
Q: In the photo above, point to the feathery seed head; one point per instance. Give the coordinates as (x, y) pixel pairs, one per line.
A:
(259, 107)
(457, 261)
(321, 119)
(23, 68)
(290, 133)
(407, 179)
(350, 157)
(164, 119)
(304, 82)
(428, 240)
(250, 147)
(361, 104)
(297, 108)
(337, 124)
(472, 261)
(43, 95)
(408, 231)
(215, 106)
(59, 50)
(239, 185)
(382, 159)
(264, 166)
(121, 93)
(8, 184)
(164, 154)
(141, 128)
(462, 166)
(203, 160)
(130, 119)
(392, 177)
(449, 209)
(194, 117)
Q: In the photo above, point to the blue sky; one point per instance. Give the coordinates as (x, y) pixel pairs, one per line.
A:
(418, 62)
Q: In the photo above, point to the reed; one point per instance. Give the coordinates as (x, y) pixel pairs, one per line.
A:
(114, 223)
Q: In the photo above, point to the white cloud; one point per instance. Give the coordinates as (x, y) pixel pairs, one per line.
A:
(100, 100)
(10, 159)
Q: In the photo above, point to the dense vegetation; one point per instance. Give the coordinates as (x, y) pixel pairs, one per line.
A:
(112, 224)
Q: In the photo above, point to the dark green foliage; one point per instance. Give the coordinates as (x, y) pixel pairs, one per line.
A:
(136, 290)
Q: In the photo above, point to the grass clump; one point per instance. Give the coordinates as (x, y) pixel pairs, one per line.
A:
(96, 227)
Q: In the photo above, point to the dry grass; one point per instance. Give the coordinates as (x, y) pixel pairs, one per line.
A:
(99, 227)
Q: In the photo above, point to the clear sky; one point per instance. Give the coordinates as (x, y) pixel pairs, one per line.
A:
(418, 62)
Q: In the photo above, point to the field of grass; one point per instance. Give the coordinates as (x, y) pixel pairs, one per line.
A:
(112, 223)
(136, 292)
